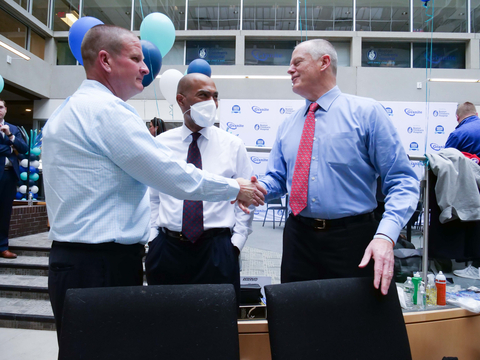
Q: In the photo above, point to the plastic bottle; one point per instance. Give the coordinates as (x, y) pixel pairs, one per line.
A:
(431, 291)
(408, 291)
(416, 280)
(422, 297)
(30, 199)
(441, 285)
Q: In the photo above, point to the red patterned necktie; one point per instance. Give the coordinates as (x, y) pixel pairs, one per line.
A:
(192, 222)
(299, 191)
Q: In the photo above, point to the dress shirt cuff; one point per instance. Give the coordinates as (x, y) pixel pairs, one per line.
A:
(384, 237)
(233, 190)
(11, 138)
(389, 228)
(239, 241)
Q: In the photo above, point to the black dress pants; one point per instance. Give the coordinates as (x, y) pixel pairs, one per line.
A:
(311, 254)
(76, 265)
(8, 186)
(211, 260)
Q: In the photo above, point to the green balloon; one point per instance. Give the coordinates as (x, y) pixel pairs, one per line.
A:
(2, 83)
(23, 176)
(34, 177)
(36, 151)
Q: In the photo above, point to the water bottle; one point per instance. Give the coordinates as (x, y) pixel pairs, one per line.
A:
(422, 297)
(441, 285)
(431, 291)
(416, 280)
(30, 199)
(408, 291)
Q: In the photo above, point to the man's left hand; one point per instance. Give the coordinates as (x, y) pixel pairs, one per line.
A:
(5, 129)
(382, 253)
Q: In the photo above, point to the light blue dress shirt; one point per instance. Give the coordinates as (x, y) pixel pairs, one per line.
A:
(354, 142)
(99, 158)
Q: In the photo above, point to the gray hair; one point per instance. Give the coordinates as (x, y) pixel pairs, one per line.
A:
(320, 47)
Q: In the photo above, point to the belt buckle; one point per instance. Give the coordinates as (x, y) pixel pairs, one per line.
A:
(320, 227)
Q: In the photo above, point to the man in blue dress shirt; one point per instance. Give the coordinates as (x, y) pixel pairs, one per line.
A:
(98, 160)
(335, 233)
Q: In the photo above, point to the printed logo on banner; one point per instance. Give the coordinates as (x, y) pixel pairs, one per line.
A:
(264, 56)
(233, 126)
(411, 112)
(202, 53)
(435, 113)
(258, 110)
(415, 130)
(389, 111)
(260, 142)
(258, 160)
(262, 127)
(441, 113)
(287, 110)
(439, 129)
(416, 164)
(235, 109)
(414, 146)
(372, 55)
(436, 147)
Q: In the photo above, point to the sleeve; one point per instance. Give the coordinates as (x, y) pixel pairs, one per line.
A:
(19, 143)
(154, 206)
(243, 221)
(130, 146)
(453, 141)
(399, 181)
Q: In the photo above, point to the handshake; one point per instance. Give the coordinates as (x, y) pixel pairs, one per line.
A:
(251, 193)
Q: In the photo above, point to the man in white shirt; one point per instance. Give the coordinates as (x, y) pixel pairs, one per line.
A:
(98, 161)
(209, 256)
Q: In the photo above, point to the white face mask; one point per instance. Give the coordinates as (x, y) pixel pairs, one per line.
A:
(204, 113)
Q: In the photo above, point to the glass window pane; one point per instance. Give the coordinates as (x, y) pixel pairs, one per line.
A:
(450, 16)
(62, 8)
(22, 3)
(215, 52)
(176, 55)
(37, 45)
(13, 29)
(64, 55)
(386, 54)
(174, 9)
(475, 14)
(269, 15)
(116, 12)
(213, 15)
(40, 10)
(343, 52)
(266, 52)
(384, 15)
(327, 15)
(445, 55)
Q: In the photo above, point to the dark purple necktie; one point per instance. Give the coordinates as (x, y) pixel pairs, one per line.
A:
(192, 222)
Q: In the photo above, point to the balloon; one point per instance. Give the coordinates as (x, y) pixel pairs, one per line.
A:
(34, 177)
(23, 176)
(36, 151)
(34, 189)
(77, 33)
(158, 29)
(35, 164)
(153, 60)
(18, 196)
(2, 83)
(34, 157)
(22, 189)
(168, 85)
(33, 170)
(35, 196)
(199, 66)
(24, 163)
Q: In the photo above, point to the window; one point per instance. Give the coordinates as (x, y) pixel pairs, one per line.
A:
(445, 55)
(64, 55)
(215, 52)
(450, 16)
(269, 15)
(213, 15)
(174, 9)
(176, 55)
(62, 8)
(386, 54)
(40, 10)
(37, 45)
(13, 29)
(384, 15)
(268, 52)
(326, 15)
(116, 12)
(475, 15)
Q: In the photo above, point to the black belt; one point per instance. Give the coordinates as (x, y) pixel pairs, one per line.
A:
(325, 224)
(205, 235)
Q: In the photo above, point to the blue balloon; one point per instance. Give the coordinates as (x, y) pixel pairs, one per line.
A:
(19, 195)
(33, 170)
(153, 60)
(199, 66)
(22, 169)
(77, 33)
(34, 157)
(2, 83)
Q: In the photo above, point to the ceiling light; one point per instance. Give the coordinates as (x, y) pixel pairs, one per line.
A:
(70, 18)
(15, 51)
(454, 80)
(404, 13)
(28, 110)
(254, 77)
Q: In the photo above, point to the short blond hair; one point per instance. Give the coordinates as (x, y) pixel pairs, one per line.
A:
(465, 110)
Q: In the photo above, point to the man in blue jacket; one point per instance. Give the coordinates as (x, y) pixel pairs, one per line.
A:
(11, 143)
(466, 138)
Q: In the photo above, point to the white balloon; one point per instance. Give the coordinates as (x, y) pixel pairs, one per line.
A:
(34, 189)
(35, 164)
(168, 85)
(24, 163)
(23, 189)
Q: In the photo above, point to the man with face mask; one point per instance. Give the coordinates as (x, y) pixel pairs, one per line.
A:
(199, 242)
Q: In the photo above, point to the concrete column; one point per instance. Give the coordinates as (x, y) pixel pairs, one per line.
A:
(240, 50)
(472, 54)
(356, 52)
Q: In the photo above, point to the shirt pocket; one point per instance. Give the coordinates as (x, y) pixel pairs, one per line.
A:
(341, 149)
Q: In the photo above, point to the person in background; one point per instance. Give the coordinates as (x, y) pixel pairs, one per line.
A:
(155, 126)
(11, 144)
(466, 138)
(201, 246)
(328, 156)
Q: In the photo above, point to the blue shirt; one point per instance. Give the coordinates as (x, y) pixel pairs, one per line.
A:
(354, 142)
(99, 158)
(466, 136)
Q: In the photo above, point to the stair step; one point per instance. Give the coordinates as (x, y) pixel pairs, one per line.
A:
(25, 265)
(24, 287)
(30, 250)
(26, 314)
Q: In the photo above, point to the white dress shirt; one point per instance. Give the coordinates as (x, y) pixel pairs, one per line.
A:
(222, 154)
(98, 161)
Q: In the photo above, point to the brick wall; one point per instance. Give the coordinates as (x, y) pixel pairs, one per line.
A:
(28, 220)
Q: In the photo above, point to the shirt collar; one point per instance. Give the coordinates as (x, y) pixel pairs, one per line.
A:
(467, 120)
(185, 132)
(326, 100)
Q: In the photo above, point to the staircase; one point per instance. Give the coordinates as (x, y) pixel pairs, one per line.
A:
(24, 301)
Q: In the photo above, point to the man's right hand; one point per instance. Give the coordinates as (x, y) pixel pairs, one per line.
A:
(251, 193)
